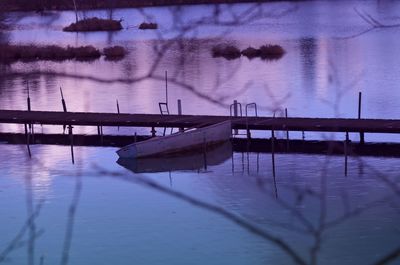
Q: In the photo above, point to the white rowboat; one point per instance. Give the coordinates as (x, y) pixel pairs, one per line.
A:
(179, 142)
(188, 161)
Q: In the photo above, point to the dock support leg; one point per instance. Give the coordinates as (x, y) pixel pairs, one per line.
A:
(359, 117)
(118, 111)
(235, 114)
(27, 141)
(180, 112)
(287, 133)
(346, 142)
(205, 153)
(273, 160)
(153, 132)
(71, 139)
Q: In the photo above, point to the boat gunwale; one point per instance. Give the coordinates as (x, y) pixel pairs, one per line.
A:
(195, 130)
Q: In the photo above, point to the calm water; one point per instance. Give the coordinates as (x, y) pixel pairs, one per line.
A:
(97, 212)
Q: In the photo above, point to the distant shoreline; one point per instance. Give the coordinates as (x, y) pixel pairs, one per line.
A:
(42, 5)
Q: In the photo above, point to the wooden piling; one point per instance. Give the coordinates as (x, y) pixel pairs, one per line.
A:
(118, 112)
(346, 142)
(28, 99)
(166, 87)
(153, 132)
(181, 129)
(101, 134)
(71, 139)
(205, 151)
(287, 132)
(64, 106)
(235, 114)
(28, 102)
(27, 141)
(273, 151)
(362, 140)
(273, 160)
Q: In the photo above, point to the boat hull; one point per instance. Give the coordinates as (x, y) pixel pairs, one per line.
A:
(179, 142)
(186, 161)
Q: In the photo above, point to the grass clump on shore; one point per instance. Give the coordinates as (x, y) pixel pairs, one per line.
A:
(94, 24)
(114, 53)
(145, 25)
(11, 53)
(227, 51)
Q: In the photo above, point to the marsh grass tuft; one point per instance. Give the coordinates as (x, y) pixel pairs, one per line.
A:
(251, 52)
(94, 24)
(271, 52)
(145, 25)
(11, 53)
(227, 51)
(114, 52)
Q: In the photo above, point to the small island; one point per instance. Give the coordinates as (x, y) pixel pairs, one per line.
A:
(265, 52)
(94, 24)
(11, 53)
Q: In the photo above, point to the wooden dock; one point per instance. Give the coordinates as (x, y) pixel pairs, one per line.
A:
(188, 121)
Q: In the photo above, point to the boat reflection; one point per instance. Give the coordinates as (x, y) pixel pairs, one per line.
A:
(214, 155)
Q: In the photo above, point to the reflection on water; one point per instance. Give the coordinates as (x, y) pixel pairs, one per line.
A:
(189, 161)
(96, 212)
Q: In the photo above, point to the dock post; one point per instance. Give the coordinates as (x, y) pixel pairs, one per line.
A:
(205, 151)
(135, 138)
(362, 141)
(273, 160)
(235, 114)
(28, 102)
(64, 105)
(346, 142)
(153, 132)
(101, 134)
(179, 107)
(27, 140)
(71, 139)
(118, 111)
(180, 112)
(273, 151)
(63, 101)
(287, 132)
(166, 87)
